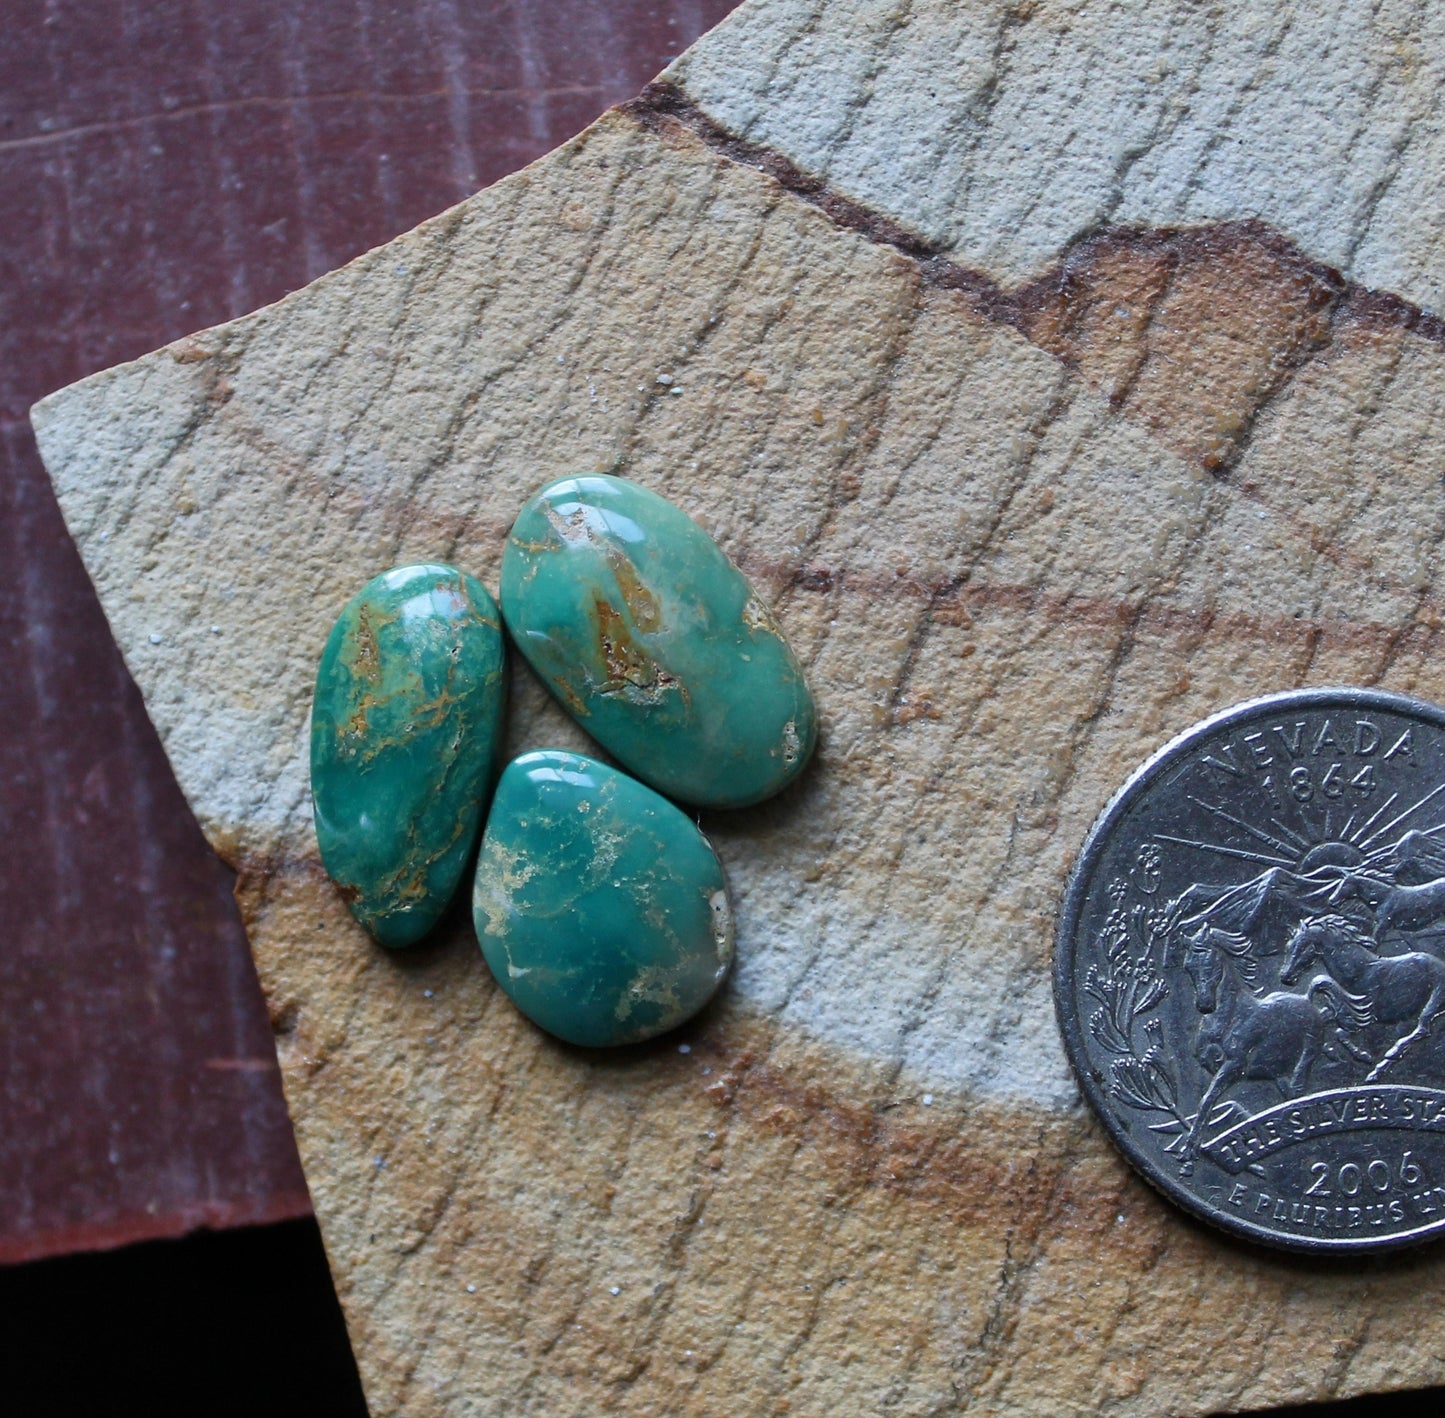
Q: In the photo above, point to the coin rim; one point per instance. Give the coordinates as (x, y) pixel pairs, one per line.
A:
(1070, 1024)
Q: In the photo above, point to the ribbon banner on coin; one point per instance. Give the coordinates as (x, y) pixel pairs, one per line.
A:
(1250, 970)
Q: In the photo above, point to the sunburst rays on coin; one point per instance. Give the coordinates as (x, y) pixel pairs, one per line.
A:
(1293, 849)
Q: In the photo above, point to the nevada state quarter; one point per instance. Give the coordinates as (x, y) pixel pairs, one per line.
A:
(1250, 970)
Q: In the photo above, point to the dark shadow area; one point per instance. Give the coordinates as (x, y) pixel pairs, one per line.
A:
(1417, 1403)
(244, 1322)
(222, 1323)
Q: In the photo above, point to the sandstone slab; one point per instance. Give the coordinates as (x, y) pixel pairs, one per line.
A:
(1059, 380)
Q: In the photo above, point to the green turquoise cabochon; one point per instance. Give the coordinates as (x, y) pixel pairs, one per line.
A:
(404, 733)
(602, 911)
(645, 631)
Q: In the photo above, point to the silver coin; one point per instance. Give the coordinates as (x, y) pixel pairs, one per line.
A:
(1250, 970)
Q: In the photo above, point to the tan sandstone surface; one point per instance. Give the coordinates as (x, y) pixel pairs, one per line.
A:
(1061, 373)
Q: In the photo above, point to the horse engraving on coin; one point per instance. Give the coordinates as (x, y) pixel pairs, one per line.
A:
(1250, 973)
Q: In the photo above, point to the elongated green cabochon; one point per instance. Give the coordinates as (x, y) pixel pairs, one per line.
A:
(602, 911)
(654, 641)
(404, 733)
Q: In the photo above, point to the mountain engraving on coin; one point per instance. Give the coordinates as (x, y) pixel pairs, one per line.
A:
(1250, 973)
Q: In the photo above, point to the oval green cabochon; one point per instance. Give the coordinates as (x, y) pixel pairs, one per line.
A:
(654, 641)
(404, 731)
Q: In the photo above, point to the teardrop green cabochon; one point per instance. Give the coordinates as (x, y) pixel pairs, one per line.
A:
(404, 733)
(601, 910)
(654, 641)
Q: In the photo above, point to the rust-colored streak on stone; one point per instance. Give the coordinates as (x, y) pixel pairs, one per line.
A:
(635, 593)
(661, 105)
(1190, 331)
(861, 1134)
(1384, 310)
(959, 603)
(631, 672)
(872, 1139)
(804, 1208)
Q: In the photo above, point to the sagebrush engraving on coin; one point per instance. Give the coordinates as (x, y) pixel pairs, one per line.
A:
(1251, 969)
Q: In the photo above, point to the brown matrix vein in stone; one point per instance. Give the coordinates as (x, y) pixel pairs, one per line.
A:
(1191, 331)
